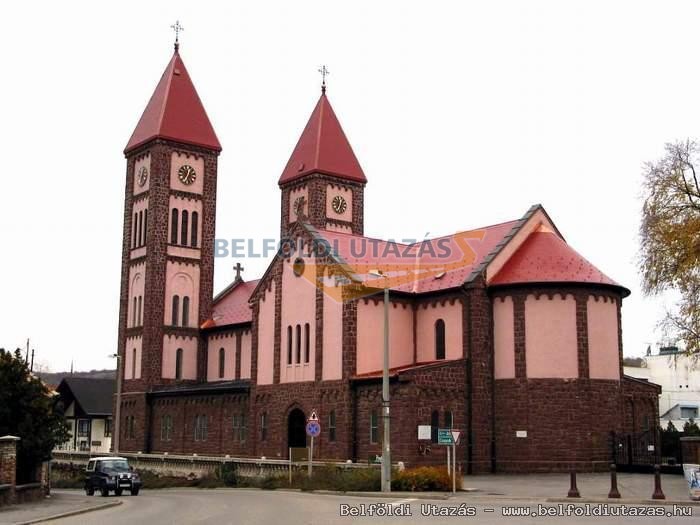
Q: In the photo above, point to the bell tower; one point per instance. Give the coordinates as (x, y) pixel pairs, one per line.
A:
(167, 255)
(323, 179)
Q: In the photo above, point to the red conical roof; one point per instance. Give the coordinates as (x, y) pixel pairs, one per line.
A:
(175, 112)
(323, 148)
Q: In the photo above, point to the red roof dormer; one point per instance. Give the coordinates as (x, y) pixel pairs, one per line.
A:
(175, 112)
(323, 148)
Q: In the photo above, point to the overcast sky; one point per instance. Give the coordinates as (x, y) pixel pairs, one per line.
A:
(462, 114)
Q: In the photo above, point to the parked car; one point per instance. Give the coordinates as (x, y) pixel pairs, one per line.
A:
(106, 474)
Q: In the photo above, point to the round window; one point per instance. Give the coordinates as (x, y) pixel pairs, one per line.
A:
(298, 266)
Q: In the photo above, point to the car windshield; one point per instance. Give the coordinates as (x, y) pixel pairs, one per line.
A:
(115, 465)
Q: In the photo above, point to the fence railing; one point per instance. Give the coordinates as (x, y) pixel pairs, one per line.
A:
(184, 465)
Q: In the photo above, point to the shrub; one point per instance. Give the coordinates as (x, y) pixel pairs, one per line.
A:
(424, 479)
(229, 475)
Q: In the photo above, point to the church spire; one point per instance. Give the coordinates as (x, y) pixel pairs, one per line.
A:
(175, 111)
(323, 147)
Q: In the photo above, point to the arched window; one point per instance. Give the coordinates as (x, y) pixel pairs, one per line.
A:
(178, 363)
(173, 226)
(140, 235)
(195, 227)
(176, 310)
(289, 345)
(133, 313)
(222, 362)
(331, 426)
(145, 225)
(448, 418)
(185, 311)
(298, 347)
(307, 344)
(138, 312)
(134, 240)
(439, 339)
(434, 424)
(133, 364)
(183, 227)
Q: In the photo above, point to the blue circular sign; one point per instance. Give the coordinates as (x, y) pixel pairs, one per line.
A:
(313, 428)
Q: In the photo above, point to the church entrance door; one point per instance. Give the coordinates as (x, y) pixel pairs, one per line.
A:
(296, 429)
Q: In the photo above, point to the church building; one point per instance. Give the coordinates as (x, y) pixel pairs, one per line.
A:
(504, 331)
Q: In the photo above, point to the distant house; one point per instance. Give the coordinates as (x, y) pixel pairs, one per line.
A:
(87, 405)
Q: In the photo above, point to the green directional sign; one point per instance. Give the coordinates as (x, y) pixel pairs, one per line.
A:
(445, 436)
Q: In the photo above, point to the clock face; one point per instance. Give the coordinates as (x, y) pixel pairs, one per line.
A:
(339, 204)
(186, 174)
(143, 175)
(298, 205)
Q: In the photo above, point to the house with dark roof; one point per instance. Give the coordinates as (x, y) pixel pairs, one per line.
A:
(87, 406)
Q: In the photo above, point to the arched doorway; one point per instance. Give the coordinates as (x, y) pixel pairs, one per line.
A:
(296, 429)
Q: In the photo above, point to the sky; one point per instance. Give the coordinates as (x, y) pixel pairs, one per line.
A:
(462, 114)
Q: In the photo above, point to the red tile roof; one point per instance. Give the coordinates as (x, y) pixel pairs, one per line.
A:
(231, 306)
(324, 148)
(175, 112)
(428, 266)
(545, 258)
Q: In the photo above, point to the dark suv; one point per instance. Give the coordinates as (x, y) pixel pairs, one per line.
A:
(111, 473)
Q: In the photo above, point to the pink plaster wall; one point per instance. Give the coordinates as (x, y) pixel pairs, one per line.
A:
(550, 337)
(133, 346)
(266, 337)
(370, 335)
(144, 160)
(503, 338)
(189, 356)
(331, 191)
(246, 345)
(298, 307)
(228, 343)
(294, 195)
(537, 219)
(182, 280)
(179, 159)
(603, 347)
(332, 336)
(136, 289)
(425, 330)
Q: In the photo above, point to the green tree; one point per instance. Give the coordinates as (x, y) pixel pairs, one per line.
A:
(27, 410)
(670, 237)
(691, 428)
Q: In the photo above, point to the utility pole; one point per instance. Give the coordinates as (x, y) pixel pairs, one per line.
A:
(118, 410)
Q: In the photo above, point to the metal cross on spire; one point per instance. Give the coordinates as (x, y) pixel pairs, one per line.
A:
(324, 73)
(177, 28)
(238, 269)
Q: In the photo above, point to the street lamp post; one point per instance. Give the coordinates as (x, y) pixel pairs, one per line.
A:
(386, 444)
(117, 412)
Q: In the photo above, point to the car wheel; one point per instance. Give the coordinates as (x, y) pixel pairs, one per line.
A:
(104, 492)
(134, 492)
(89, 491)
(118, 492)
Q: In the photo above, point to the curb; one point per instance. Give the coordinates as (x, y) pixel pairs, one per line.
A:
(69, 513)
(388, 495)
(627, 501)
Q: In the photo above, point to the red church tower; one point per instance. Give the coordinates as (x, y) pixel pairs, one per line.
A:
(167, 268)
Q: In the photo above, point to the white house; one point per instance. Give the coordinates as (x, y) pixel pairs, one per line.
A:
(87, 406)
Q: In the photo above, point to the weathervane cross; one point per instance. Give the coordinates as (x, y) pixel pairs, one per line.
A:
(177, 28)
(324, 73)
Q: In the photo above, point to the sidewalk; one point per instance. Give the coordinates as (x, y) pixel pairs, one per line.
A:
(593, 486)
(58, 504)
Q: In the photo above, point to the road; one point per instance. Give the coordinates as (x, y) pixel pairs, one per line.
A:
(221, 506)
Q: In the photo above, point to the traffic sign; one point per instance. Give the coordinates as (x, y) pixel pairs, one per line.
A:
(313, 428)
(445, 436)
(313, 416)
(455, 436)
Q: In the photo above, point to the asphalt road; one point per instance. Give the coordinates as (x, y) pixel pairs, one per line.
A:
(155, 507)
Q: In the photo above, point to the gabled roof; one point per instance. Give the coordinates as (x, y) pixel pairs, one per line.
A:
(545, 258)
(93, 396)
(231, 306)
(323, 148)
(175, 112)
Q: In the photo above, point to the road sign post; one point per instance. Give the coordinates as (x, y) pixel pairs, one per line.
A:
(450, 438)
(313, 429)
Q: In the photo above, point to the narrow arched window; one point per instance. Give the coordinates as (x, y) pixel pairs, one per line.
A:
(289, 345)
(173, 226)
(140, 235)
(133, 313)
(195, 228)
(138, 312)
(439, 339)
(185, 311)
(145, 225)
(448, 419)
(307, 344)
(133, 364)
(222, 362)
(176, 310)
(183, 227)
(298, 347)
(178, 363)
(434, 424)
(134, 241)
